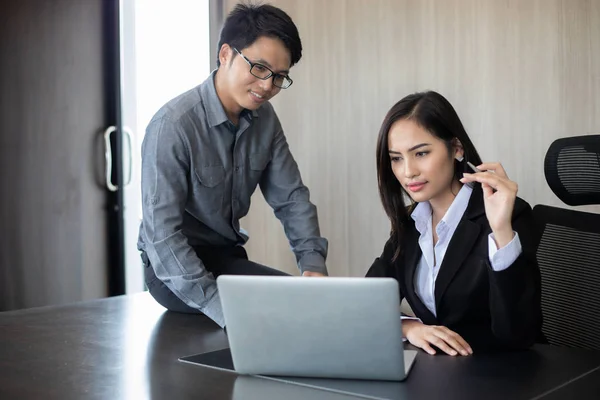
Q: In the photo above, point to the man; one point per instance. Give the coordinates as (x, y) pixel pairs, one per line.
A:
(203, 156)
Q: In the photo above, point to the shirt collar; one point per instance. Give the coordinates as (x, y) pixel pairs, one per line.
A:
(215, 113)
(422, 212)
(422, 216)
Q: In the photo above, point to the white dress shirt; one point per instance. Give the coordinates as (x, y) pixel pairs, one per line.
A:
(429, 265)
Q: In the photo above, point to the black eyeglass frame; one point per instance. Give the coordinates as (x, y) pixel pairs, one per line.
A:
(271, 74)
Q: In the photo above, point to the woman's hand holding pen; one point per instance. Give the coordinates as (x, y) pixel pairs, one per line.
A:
(499, 194)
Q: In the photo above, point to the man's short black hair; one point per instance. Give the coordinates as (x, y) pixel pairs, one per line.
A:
(248, 22)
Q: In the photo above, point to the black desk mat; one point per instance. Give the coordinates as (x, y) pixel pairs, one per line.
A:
(221, 359)
(515, 375)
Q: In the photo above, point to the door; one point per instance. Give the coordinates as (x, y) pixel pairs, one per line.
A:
(62, 229)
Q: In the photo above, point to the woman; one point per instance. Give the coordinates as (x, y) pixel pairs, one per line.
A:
(463, 250)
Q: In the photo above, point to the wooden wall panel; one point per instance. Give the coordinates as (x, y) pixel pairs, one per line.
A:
(520, 74)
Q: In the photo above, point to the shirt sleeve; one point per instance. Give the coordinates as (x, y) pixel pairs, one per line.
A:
(501, 259)
(282, 187)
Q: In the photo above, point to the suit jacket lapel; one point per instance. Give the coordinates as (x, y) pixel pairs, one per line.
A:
(460, 245)
(412, 255)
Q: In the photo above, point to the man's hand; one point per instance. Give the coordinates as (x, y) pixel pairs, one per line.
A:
(312, 274)
(423, 336)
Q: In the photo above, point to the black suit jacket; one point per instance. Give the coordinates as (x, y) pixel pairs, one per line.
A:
(490, 310)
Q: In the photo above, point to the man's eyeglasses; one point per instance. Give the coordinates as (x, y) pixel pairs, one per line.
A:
(262, 72)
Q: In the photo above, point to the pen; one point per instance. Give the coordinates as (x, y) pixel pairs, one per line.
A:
(474, 168)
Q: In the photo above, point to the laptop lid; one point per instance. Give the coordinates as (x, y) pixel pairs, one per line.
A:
(314, 327)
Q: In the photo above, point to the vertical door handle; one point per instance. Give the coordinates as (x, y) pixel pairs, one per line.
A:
(108, 156)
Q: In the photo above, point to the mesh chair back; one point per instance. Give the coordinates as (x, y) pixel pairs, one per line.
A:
(569, 258)
(569, 248)
(572, 169)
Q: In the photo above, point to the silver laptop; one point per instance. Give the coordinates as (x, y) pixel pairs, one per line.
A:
(315, 327)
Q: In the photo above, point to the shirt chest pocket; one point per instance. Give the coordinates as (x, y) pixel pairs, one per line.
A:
(257, 163)
(209, 192)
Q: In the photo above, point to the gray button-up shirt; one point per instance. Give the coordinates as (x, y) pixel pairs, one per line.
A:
(198, 174)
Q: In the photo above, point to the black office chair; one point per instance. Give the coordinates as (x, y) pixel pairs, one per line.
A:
(569, 248)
